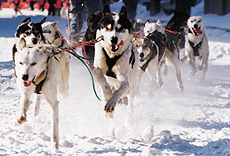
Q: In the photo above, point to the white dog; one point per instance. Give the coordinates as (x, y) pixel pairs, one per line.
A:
(196, 45)
(38, 70)
(115, 62)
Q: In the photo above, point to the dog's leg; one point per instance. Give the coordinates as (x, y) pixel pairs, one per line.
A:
(107, 92)
(37, 104)
(110, 105)
(192, 64)
(153, 83)
(130, 105)
(205, 67)
(179, 80)
(55, 120)
(63, 81)
(25, 103)
(138, 81)
(159, 77)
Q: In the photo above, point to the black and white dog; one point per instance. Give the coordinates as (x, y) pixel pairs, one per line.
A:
(171, 54)
(197, 44)
(115, 63)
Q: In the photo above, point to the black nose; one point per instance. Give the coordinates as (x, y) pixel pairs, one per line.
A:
(114, 40)
(25, 77)
(196, 26)
(34, 40)
(141, 55)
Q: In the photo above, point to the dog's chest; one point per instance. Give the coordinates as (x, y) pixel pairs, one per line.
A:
(118, 64)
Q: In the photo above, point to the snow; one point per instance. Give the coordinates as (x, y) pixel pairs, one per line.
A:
(192, 122)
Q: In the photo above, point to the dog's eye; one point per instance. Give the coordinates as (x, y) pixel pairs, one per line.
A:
(33, 64)
(199, 21)
(107, 28)
(20, 63)
(191, 21)
(120, 29)
(27, 33)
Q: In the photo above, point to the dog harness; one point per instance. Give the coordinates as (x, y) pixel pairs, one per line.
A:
(110, 63)
(195, 48)
(132, 58)
(43, 76)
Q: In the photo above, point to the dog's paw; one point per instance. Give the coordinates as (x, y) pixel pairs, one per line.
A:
(22, 119)
(109, 107)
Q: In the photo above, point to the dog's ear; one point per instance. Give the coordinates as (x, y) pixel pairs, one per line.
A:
(54, 24)
(159, 21)
(25, 21)
(147, 22)
(22, 43)
(123, 11)
(106, 10)
(42, 21)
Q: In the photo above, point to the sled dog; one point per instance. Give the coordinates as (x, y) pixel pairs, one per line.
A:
(115, 62)
(171, 55)
(38, 70)
(150, 57)
(196, 45)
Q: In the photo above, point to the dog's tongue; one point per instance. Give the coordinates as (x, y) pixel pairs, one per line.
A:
(198, 31)
(27, 83)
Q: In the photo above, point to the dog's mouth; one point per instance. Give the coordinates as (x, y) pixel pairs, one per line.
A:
(142, 59)
(196, 31)
(27, 83)
(115, 47)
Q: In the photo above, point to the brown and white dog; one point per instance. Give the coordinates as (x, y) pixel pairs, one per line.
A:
(150, 57)
(115, 63)
(196, 45)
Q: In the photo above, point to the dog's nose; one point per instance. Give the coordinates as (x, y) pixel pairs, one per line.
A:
(25, 77)
(141, 55)
(34, 40)
(114, 40)
(195, 26)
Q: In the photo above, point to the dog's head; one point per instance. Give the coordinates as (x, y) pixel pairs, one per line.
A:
(195, 25)
(93, 20)
(144, 46)
(151, 27)
(50, 30)
(29, 62)
(23, 29)
(31, 32)
(138, 25)
(116, 30)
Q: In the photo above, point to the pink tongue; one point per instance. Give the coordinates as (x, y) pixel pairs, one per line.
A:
(27, 83)
(198, 31)
(121, 43)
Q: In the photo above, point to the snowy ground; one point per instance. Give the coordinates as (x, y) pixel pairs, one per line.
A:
(194, 122)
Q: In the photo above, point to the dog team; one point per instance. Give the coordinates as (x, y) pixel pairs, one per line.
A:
(119, 59)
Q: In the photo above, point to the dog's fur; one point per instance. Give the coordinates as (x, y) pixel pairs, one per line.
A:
(115, 63)
(197, 44)
(150, 57)
(38, 71)
(90, 34)
(177, 24)
(31, 32)
(41, 33)
(171, 54)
